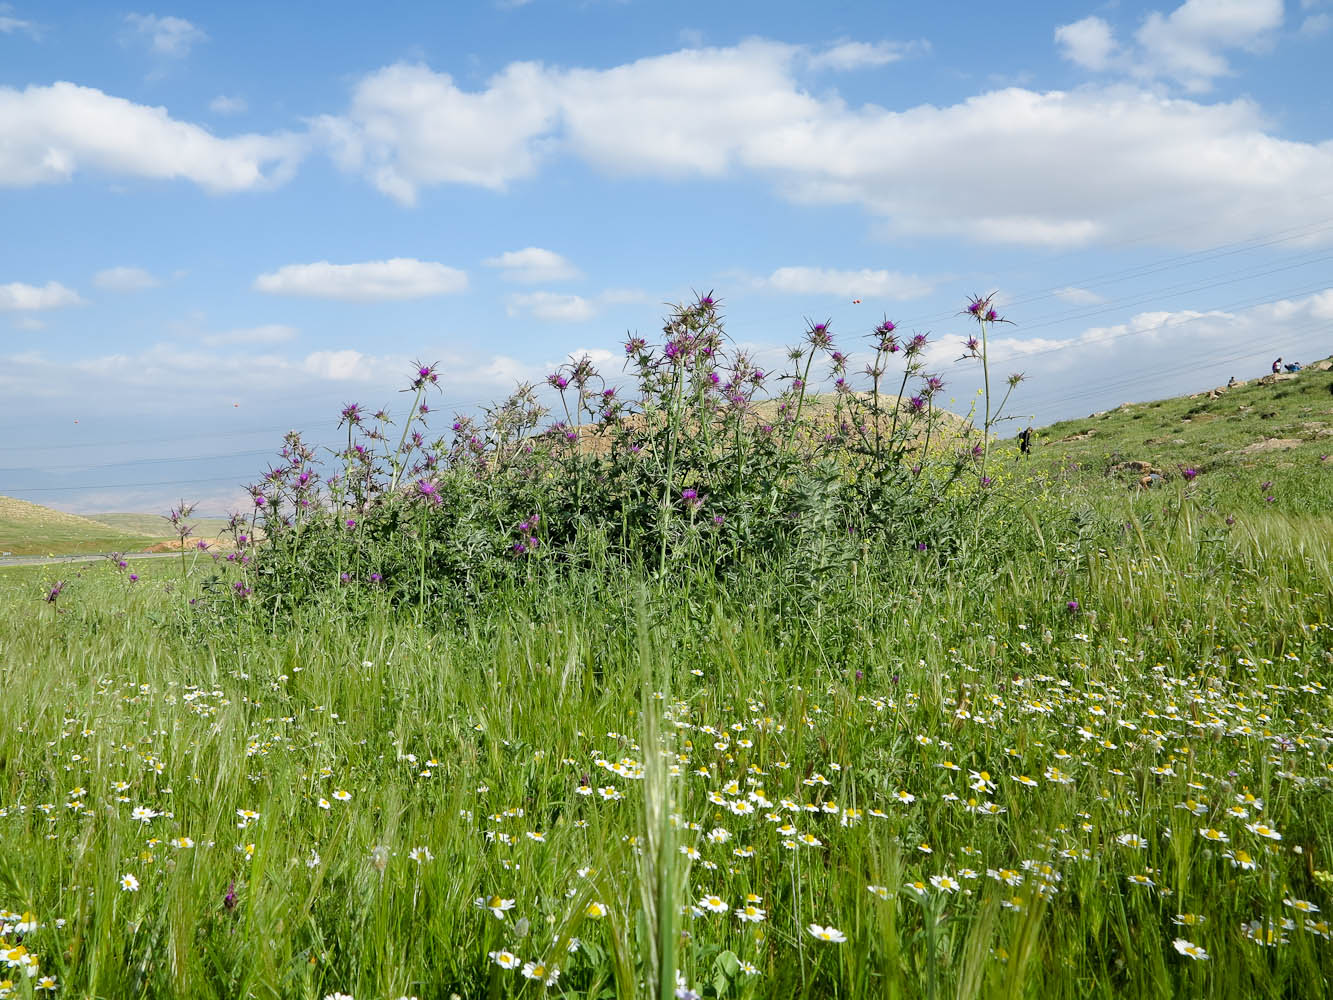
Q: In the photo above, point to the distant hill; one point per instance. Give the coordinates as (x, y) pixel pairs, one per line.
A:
(156, 526)
(31, 529)
(1265, 438)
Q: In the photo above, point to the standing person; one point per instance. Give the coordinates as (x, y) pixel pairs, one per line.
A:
(1277, 366)
(1025, 440)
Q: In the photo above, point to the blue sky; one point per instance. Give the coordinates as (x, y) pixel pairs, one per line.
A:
(222, 222)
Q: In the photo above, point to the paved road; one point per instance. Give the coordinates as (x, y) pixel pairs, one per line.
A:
(87, 557)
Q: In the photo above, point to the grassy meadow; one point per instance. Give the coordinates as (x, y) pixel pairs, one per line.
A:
(1023, 736)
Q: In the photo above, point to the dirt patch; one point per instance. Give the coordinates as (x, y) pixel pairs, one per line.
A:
(1083, 436)
(1271, 444)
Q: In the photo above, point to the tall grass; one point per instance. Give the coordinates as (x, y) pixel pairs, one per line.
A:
(1201, 656)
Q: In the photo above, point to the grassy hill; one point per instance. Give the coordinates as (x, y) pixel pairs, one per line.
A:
(31, 529)
(155, 526)
(1267, 438)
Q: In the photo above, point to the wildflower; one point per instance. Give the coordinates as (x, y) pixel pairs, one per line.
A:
(143, 814)
(1141, 880)
(128, 883)
(46, 983)
(1191, 950)
(595, 910)
(1217, 836)
(749, 913)
(323, 803)
(879, 890)
(504, 959)
(1301, 905)
(341, 795)
(182, 842)
(714, 904)
(827, 934)
(1241, 859)
(420, 854)
(495, 904)
(1263, 830)
(944, 883)
(537, 970)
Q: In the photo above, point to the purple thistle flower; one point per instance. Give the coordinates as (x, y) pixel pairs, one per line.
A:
(55, 592)
(426, 488)
(1072, 605)
(229, 900)
(134, 578)
(689, 494)
(375, 578)
(1190, 473)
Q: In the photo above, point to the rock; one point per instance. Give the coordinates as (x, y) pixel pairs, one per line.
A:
(1271, 444)
(1321, 366)
(1275, 379)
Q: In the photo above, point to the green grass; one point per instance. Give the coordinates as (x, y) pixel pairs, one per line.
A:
(1193, 673)
(30, 529)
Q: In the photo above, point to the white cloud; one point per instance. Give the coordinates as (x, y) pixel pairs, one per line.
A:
(224, 105)
(17, 296)
(865, 283)
(551, 306)
(166, 36)
(861, 55)
(563, 308)
(408, 127)
(270, 333)
(1079, 296)
(1009, 166)
(397, 279)
(52, 132)
(533, 265)
(1316, 25)
(1089, 42)
(1189, 43)
(125, 279)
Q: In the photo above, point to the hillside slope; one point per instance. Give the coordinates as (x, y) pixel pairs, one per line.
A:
(1263, 444)
(31, 529)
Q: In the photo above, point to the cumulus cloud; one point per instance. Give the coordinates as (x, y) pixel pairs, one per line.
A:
(1089, 42)
(224, 105)
(1059, 168)
(52, 132)
(1188, 45)
(533, 265)
(16, 297)
(409, 126)
(865, 283)
(863, 55)
(125, 279)
(165, 36)
(397, 279)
